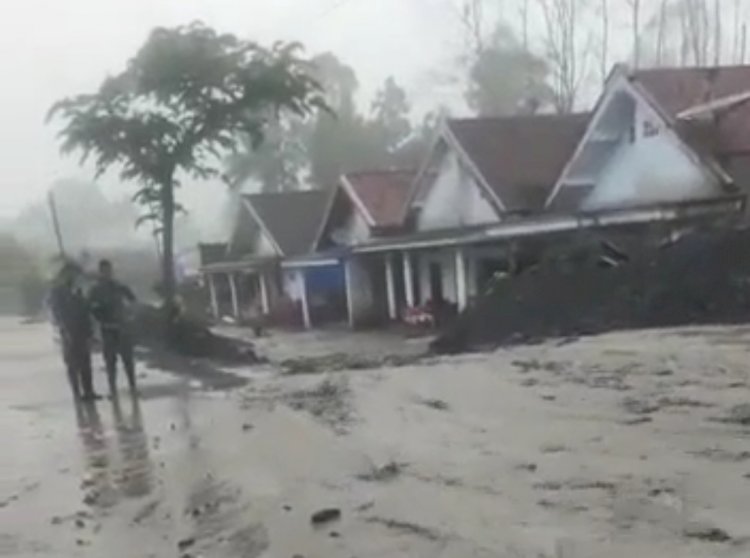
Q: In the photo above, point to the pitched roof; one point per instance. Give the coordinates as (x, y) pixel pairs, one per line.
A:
(291, 219)
(382, 195)
(520, 158)
(679, 89)
(212, 253)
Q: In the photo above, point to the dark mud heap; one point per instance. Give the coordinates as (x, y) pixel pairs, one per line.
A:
(598, 286)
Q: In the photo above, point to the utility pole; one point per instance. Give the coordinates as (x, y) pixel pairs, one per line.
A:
(56, 223)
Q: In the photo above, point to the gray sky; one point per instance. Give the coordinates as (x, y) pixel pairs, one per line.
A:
(53, 48)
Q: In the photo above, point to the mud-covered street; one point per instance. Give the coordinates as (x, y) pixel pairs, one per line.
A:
(630, 444)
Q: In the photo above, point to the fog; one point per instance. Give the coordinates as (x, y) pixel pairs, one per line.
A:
(50, 49)
(54, 49)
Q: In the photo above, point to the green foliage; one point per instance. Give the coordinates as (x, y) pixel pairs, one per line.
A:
(506, 79)
(328, 145)
(183, 102)
(186, 96)
(277, 163)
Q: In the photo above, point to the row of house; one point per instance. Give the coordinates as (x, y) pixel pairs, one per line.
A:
(661, 148)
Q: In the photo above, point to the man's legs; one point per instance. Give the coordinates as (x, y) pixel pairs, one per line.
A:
(83, 354)
(110, 348)
(128, 362)
(71, 365)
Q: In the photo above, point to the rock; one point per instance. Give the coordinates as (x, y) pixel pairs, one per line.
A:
(437, 404)
(739, 414)
(184, 544)
(80, 523)
(639, 406)
(287, 507)
(636, 421)
(247, 427)
(334, 535)
(325, 516)
(382, 474)
(708, 533)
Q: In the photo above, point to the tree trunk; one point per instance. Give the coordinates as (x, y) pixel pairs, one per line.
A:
(169, 284)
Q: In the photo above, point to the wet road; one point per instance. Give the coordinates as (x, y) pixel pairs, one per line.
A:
(129, 478)
(631, 444)
(187, 470)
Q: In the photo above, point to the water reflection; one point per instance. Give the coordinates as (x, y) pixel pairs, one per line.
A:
(119, 469)
(137, 470)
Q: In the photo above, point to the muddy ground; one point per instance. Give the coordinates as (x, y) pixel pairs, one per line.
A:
(628, 444)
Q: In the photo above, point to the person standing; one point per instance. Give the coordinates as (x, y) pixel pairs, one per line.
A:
(70, 313)
(109, 300)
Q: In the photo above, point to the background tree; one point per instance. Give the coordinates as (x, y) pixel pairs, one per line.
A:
(390, 115)
(635, 26)
(186, 98)
(566, 55)
(507, 79)
(277, 163)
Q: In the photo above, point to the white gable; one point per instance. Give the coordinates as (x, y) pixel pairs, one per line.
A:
(249, 238)
(630, 156)
(263, 245)
(354, 230)
(453, 199)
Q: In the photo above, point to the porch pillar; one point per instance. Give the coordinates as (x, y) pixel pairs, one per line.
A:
(462, 296)
(235, 296)
(408, 279)
(265, 304)
(390, 287)
(302, 282)
(213, 295)
(349, 290)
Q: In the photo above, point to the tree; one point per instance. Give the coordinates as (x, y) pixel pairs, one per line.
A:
(277, 163)
(635, 25)
(186, 98)
(507, 79)
(566, 57)
(604, 57)
(390, 115)
(350, 141)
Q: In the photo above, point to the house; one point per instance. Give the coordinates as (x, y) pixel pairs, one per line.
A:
(480, 173)
(269, 266)
(660, 136)
(662, 150)
(367, 206)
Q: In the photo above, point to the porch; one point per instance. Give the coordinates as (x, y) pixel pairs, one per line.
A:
(443, 271)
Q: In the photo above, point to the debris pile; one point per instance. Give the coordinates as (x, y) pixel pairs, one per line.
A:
(189, 337)
(702, 278)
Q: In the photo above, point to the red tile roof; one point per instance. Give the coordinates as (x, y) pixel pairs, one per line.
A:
(383, 194)
(677, 89)
(521, 157)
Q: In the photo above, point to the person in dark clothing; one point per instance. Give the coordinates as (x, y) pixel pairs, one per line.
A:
(109, 301)
(71, 315)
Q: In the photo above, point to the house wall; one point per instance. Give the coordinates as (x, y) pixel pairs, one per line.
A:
(262, 245)
(354, 231)
(454, 199)
(475, 256)
(447, 260)
(653, 168)
(641, 160)
(359, 289)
